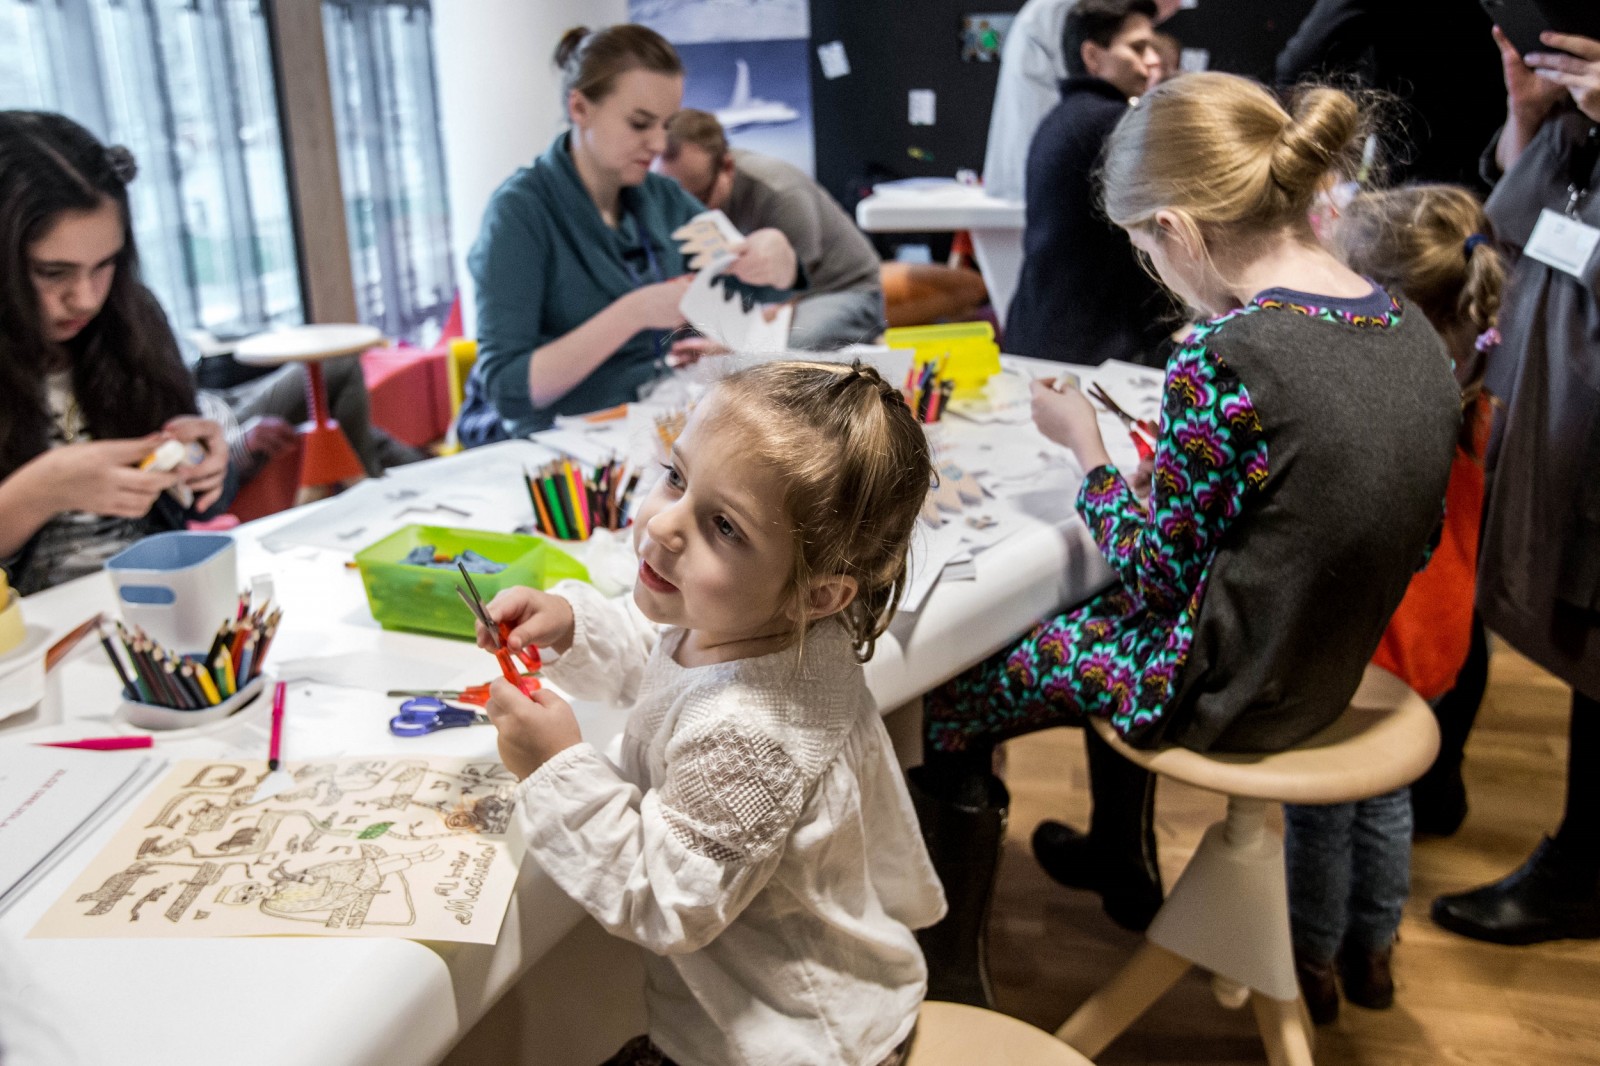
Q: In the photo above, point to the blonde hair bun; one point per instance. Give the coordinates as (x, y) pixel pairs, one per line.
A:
(1322, 129)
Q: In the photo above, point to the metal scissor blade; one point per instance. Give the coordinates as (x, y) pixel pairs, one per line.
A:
(480, 615)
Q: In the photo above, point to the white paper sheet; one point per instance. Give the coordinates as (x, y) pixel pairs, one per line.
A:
(51, 798)
(719, 314)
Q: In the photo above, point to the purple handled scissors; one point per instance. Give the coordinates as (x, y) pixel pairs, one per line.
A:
(425, 714)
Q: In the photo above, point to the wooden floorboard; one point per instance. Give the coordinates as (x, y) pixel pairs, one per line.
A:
(1459, 1002)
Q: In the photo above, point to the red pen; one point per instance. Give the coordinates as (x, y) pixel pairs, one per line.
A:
(102, 743)
(277, 725)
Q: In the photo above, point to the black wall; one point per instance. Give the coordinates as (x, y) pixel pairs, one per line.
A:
(862, 132)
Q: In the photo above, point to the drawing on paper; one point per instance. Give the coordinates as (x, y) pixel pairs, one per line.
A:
(417, 848)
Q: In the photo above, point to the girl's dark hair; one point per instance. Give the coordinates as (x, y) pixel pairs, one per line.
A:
(855, 466)
(127, 376)
(592, 61)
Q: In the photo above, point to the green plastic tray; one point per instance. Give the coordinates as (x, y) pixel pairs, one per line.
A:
(424, 598)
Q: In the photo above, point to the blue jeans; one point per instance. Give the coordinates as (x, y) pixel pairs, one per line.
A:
(1349, 870)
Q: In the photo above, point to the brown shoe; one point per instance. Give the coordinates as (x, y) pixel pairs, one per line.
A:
(1366, 977)
(1319, 988)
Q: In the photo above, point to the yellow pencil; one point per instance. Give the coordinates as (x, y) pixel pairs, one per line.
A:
(577, 500)
(208, 686)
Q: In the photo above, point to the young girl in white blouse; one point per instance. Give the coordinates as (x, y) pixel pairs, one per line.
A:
(757, 838)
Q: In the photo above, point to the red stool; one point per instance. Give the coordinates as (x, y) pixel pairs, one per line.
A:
(326, 457)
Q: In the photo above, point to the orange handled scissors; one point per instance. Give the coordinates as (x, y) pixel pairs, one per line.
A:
(1143, 431)
(501, 634)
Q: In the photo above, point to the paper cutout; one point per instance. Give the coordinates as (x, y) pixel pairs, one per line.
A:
(920, 104)
(707, 237)
(370, 847)
(835, 64)
(726, 315)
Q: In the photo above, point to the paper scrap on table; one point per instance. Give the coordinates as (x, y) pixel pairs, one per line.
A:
(931, 549)
(835, 64)
(379, 846)
(721, 315)
(707, 237)
(920, 103)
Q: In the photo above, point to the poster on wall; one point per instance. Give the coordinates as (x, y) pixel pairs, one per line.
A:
(747, 62)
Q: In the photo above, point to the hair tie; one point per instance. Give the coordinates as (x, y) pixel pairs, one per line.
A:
(1472, 242)
(121, 162)
(1488, 340)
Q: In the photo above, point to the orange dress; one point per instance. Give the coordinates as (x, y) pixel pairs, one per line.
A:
(1427, 639)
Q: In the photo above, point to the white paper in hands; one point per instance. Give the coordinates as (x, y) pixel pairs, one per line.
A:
(720, 314)
(707, 237)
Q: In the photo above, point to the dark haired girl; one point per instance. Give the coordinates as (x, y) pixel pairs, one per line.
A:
(90, 377)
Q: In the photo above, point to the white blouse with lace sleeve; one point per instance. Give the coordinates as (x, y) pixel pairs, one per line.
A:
(757, 840)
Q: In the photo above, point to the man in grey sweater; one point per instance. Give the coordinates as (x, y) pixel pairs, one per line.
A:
(844, 302)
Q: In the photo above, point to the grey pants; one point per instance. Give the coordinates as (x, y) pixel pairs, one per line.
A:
(283, 393)
(830, 320)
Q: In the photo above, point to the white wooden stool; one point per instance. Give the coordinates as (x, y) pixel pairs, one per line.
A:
(1229, 912)
(954, 1034)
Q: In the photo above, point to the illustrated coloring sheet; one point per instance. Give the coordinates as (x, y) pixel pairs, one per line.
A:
(416, 848)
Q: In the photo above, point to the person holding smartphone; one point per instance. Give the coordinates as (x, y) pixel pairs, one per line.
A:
(1539, 564)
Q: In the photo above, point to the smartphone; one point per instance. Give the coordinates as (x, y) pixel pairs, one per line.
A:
(1523, 20)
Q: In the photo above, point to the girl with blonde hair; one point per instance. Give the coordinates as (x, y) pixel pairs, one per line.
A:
(1306, 433)
(1349, 863)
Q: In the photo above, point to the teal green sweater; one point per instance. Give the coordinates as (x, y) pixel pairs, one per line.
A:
(545, 263)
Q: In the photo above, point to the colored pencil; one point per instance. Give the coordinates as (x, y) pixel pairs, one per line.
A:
(208, 687)
(102, 743)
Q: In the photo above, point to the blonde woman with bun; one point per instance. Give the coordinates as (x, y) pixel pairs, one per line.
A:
(1306, 435)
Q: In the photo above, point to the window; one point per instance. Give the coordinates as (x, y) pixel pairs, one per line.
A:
(187, 86)
(391, 163)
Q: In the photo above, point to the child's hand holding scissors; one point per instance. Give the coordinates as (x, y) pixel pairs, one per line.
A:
(533, 730)
(534, 619)
(1065, 415)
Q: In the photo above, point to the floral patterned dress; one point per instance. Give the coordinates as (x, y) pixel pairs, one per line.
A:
(1119, 655)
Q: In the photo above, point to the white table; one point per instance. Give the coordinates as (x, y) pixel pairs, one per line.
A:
(995, 225)
(398, 1002)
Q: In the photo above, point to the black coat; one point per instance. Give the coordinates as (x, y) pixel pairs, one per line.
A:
(1083, 296)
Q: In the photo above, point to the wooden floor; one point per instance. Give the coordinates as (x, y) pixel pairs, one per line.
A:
(1459, 1002)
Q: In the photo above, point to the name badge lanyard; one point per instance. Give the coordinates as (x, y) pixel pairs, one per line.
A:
(655, 276)
(1580, 170)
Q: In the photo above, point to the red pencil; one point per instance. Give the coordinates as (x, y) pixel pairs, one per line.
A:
(277, 725)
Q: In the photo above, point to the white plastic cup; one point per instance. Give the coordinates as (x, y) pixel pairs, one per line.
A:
(177, 587)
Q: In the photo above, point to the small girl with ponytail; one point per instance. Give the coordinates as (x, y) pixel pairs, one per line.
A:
(1349, 863)
(756, 839)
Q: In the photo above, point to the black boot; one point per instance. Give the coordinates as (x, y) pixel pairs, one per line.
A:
(1552, 896)
(1439, 797)
(1117, 857)
(964, 827)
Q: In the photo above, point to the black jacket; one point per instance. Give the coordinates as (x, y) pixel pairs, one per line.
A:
(1083, 296)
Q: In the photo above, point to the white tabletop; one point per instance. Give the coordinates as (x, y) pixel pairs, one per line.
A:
(306, 344)
(936, 208)
(396, 1002)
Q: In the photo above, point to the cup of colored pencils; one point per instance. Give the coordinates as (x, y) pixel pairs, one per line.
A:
(161, 677)
(927, 391)
(570, 503)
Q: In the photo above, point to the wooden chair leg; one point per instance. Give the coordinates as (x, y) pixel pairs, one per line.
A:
(1118, 1004)
(1283, 1028)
